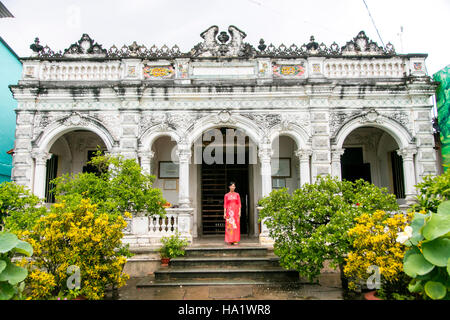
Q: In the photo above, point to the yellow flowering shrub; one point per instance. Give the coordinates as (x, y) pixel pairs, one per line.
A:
(374, 243)
(76, 235)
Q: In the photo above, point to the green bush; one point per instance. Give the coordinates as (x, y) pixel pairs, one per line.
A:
(431, 192)
(428, 259)
(118, 186)
(19, 208)
(12, 276)
(310, 226)
(173, 246)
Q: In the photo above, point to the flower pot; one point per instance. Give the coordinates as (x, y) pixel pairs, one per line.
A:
(165, 262)
(371, 295)
(81, 297)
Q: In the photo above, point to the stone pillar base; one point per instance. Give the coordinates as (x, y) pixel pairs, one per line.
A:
(265, 240)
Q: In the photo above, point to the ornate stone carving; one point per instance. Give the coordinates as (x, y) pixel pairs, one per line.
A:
(212, 48)
(224, 116)
(303, 154)
(362, 45)
(215, 45)
(407, 153)
(85, 46)
(338, 119)
(184, 154)
(75, 119)
(400, 117)
(371, 116)
(336, 154)
(41, 157)
(264, 120)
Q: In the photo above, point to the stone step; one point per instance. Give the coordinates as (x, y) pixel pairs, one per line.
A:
(224, 262)
(219, 251)
(151, 282)
(237, 273)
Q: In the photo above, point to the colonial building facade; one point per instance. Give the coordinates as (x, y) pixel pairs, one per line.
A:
(356, 111)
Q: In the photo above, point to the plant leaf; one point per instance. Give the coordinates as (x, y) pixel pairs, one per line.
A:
(24, 247)
(415, 264)
(6, 291)
(444, 208)
(448, 267)
(7, 241)
(2, 265)
(416, 225)
(437, 251)
(437, 226)
(415, 286)
(435, 290)
(13, 274)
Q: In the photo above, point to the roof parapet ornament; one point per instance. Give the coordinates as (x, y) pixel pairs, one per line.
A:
(85, 46)
(225, 44)
(36, 47)
(362, 45)
(210, 47)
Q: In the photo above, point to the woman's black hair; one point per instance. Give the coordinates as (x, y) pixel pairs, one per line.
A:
(231, 182)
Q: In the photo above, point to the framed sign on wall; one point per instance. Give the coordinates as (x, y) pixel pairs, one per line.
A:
(170, 184)
(168, 170)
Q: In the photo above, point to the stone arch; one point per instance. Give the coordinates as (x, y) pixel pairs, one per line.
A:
(147, 139)
(297, 133)
(238, 122)
(396, 130)
(57, 130)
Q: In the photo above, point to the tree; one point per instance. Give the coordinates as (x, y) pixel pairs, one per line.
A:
(119, 185)
(310, 226)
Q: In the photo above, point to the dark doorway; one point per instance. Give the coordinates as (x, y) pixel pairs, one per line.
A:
(397, 174)
(353, 166)
(52, 170)
(214, 185)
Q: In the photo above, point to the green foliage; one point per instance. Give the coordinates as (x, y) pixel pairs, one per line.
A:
(427, 260)
(432, 191)
(19, 208)
(173, 246)
(310, 226)
(119, 186)
(76, 236)
(12, 276)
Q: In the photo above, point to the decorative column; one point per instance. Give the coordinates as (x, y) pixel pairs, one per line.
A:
(409, 172)
(146, 160)
(265, 155)
(184, 156)
(40, 172)
(304, 157)
(336, 163)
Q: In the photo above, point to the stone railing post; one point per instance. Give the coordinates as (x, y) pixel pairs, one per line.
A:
(185, 223)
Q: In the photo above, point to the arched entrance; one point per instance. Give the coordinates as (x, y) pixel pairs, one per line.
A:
(71, 153)
(62, 149)
(372, 154)
(222, 155)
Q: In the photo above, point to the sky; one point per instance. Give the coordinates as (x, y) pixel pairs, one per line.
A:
(61, 23)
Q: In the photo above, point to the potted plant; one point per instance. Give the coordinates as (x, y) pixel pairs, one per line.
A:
(172, 247)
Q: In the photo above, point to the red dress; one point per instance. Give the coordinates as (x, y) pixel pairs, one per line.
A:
(232, 202)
